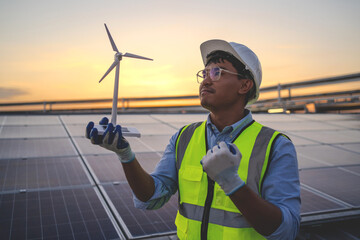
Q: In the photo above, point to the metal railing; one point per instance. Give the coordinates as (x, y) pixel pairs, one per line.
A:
(287, 103)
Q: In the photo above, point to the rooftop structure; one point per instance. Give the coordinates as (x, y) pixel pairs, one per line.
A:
(54, 184)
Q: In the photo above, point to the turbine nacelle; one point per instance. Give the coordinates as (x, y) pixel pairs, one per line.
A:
(118, 56)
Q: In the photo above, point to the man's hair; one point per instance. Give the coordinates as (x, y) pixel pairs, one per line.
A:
(220, 56)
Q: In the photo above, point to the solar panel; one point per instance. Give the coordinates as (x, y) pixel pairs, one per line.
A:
(32, 120)
(46, 190)
(305, 162)
(353, 124)
(142, 223)
(107, 168)
(76, 130)
(353, 169)
(299, 141)
(29, 148)
(46, 131)
(277, 117)
(180, 118)
(331, 136)
(353, 147)
(87, 148)
(35, 173)
(55, 214)
(328, 155)
(155, 129)
(301, 126)
(155, 143)
(121, 118)
(313, 203)
(334, 182)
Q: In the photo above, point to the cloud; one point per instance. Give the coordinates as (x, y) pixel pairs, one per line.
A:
(11, 92)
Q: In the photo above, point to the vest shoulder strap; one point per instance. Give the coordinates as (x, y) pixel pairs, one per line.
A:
(183, 141)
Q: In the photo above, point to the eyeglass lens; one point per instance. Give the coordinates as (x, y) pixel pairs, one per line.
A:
(214, 73)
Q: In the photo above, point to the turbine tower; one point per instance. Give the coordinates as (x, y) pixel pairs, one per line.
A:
(117, 58)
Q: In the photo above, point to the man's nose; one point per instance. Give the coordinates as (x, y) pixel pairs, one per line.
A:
(207, 80)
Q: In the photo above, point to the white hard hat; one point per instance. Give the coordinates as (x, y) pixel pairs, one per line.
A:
(242, 53)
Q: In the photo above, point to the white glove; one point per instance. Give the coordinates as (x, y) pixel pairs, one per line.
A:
(111, 140)
(221, 163)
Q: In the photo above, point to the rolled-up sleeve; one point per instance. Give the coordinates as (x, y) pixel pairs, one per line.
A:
(281, 187)
(165, 179)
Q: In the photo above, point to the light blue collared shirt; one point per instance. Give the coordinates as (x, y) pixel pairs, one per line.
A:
(281, 185)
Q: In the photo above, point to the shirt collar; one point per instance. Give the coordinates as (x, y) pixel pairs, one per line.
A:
(234, 128)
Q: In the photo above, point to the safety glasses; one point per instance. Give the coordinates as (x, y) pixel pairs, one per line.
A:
(214, 74)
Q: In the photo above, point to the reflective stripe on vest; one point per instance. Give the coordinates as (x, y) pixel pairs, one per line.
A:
(217, 216)
(254, 142)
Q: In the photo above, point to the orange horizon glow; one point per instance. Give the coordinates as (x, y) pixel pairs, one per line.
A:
(50, 51)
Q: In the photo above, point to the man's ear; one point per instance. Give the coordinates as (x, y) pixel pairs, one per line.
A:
(245, 86)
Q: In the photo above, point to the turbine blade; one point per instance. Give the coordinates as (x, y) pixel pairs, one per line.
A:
(136, 56)
(111, 39)
(116, 62)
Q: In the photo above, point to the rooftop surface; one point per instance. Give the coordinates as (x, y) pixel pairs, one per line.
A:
(54, 184)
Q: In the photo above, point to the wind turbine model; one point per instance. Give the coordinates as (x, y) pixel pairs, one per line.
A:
(126, 131)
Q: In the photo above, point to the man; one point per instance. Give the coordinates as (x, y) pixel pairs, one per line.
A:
(236, 178)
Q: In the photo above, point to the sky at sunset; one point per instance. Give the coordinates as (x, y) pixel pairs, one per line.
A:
(59, 50)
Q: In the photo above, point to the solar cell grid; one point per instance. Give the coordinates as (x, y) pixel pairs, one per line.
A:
(334, 182)
(313, 203)
(17, 174)
(300, 126)
(263, 118)
(32, 120)
(349, 124)
(121, 118)
(33, 131)
(299, 141)
(59, 214)
(180, 118)
(326, 117)
(142, 222)
(155, 129)
(305, 162)
(87, 148)
(155, 143)
(29, 148)
(61, 203)
(353, 147)
(329, 155)
(331, 136)
(107, 168)
(353, 169)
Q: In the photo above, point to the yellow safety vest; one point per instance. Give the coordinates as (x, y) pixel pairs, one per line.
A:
(205, 212)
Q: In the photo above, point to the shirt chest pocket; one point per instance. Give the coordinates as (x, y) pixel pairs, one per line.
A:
(190, 184)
